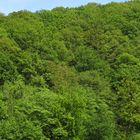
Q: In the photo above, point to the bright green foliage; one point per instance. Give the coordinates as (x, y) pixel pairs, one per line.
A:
(71, 73)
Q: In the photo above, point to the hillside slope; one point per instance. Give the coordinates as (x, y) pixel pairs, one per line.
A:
(71, 73)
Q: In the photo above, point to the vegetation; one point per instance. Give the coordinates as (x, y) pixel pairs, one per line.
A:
(71, 73)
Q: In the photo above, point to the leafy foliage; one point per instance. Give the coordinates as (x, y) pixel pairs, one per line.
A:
(71, 73)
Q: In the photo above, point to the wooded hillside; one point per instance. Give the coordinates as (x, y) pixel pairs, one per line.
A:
(71, 73)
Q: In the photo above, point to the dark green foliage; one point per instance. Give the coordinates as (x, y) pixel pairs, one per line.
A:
(71, 73)
(7, 69)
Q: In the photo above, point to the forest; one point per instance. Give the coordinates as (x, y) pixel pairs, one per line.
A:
(71, 73)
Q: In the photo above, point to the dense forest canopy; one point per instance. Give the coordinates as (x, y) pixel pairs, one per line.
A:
(71, 73)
